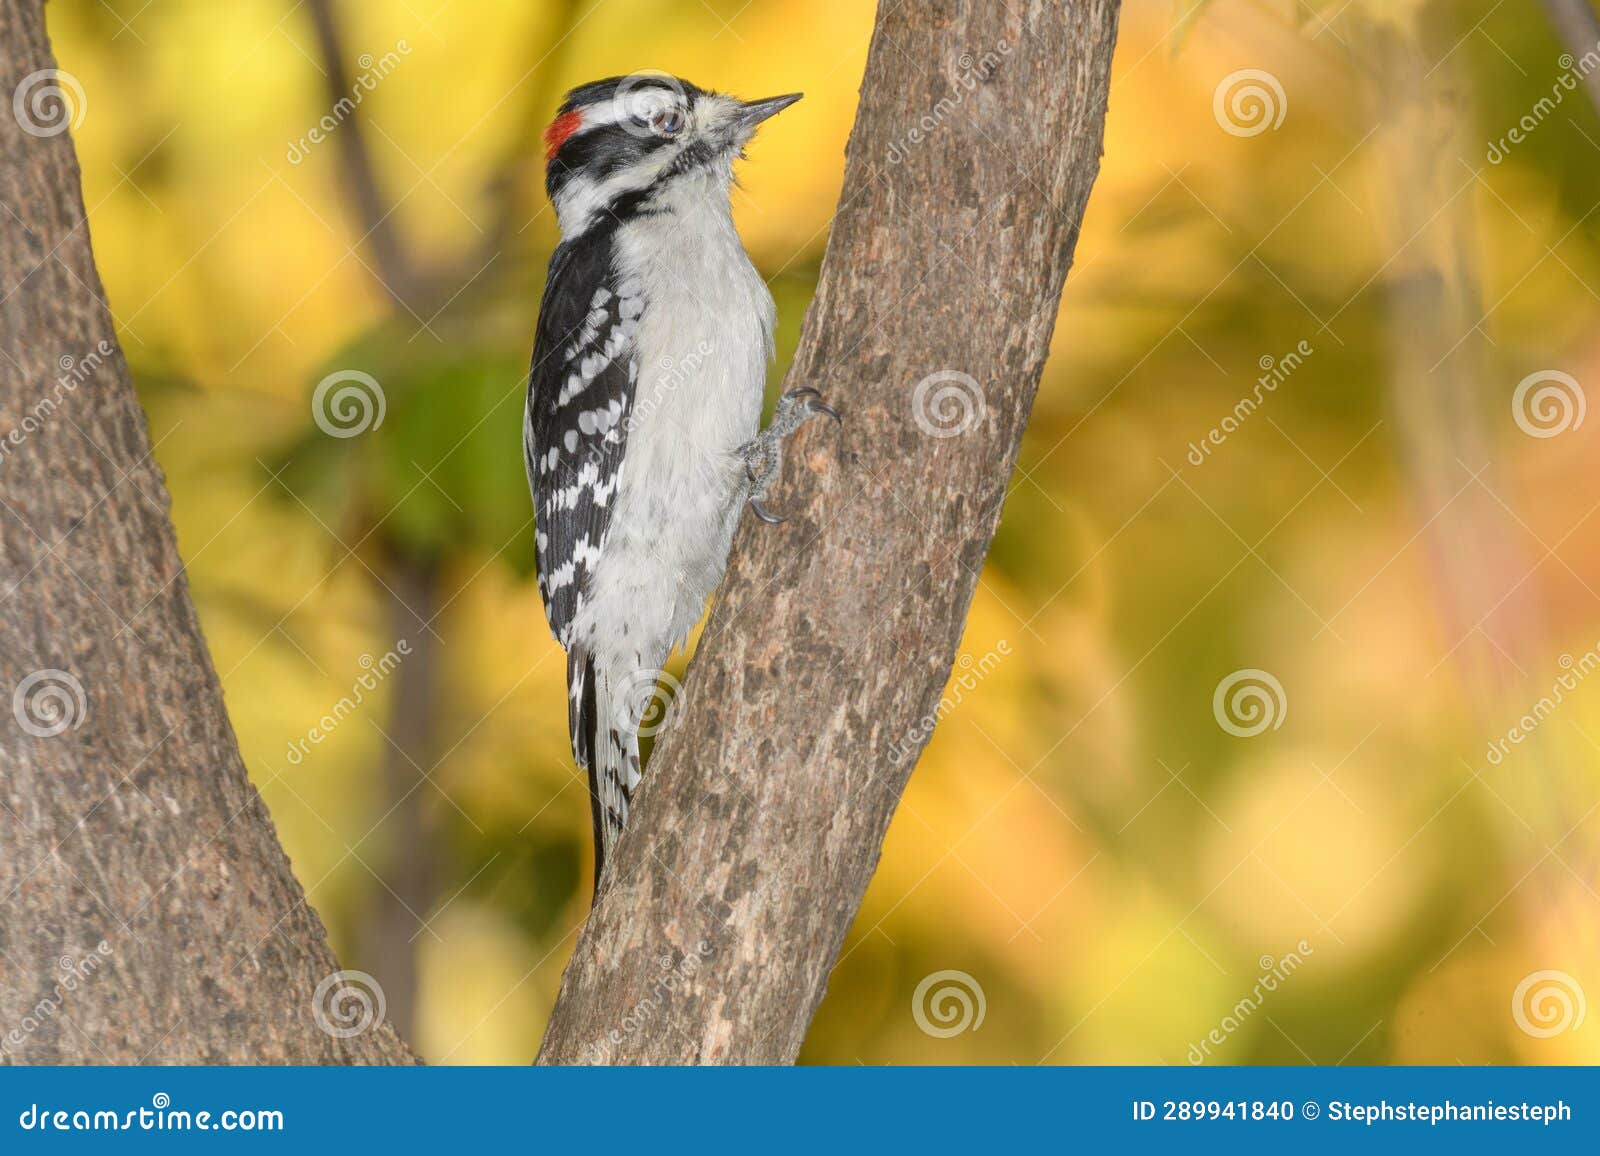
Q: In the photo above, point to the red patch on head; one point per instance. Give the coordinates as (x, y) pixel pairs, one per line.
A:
(560, 129)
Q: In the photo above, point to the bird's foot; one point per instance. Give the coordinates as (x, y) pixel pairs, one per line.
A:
(763, 454)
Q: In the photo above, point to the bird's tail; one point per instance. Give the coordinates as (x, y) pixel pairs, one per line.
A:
(605, 744)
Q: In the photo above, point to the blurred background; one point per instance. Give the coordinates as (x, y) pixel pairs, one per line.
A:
(1271, 742)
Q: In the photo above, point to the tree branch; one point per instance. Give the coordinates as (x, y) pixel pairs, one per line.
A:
(384, 934)
(147, 911)
(762, 815)
(418, 290)
(522, 169)
(396, 272)
(1579, 28)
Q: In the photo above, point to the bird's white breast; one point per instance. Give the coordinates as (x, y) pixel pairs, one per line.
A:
(704, 341)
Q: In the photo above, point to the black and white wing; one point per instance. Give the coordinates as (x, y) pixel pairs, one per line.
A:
(580, 398)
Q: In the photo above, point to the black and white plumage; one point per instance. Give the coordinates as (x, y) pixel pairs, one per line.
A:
(581, 389)
(644, 399)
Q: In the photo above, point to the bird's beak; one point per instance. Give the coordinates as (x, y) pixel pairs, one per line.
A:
(756, 111)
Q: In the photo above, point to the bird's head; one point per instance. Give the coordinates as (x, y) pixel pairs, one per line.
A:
(645, 143)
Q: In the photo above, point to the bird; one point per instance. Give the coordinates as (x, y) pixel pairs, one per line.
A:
(641, 433)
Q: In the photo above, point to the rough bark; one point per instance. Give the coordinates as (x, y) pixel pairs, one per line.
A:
(126, 818)
(762, 815)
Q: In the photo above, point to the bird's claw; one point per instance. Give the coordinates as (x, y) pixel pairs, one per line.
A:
(766, 515)
(807, 393)
(763, 456)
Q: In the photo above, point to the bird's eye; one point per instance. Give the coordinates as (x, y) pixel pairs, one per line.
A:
(668, 122)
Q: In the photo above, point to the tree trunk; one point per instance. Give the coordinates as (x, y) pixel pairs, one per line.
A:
(393, 911)
(392, 927)
(147, 911)
(762, 815)
(1579, 28)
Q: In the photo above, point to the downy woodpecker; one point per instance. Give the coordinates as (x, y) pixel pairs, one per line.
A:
(644, 400)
